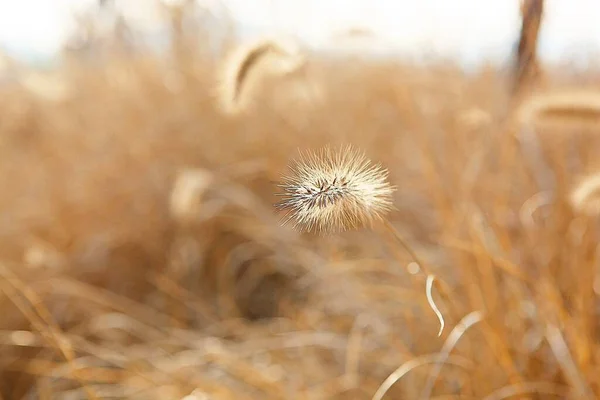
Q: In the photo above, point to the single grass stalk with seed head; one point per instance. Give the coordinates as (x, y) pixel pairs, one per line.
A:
(332, 190)
(247, 64)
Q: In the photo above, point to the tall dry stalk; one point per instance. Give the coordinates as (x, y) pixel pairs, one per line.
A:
(526, 67)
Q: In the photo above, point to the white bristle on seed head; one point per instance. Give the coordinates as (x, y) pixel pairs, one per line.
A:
(334, 190)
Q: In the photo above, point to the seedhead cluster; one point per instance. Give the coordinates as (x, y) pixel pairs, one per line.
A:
(333, 190)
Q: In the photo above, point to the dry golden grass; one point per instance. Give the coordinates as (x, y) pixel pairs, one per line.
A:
(142, 257)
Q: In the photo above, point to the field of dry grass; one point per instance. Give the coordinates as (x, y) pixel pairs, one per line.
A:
(141, 256)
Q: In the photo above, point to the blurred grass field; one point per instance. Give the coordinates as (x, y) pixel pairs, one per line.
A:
(141, 256)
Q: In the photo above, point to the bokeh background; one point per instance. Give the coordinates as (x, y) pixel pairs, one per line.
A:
(141, 256)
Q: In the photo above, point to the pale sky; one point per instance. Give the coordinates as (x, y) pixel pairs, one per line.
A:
(465, 28)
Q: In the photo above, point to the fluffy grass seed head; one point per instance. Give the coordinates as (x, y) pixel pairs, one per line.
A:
(332, 190)
(585, 198)
(249, 64)
(568, 107)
